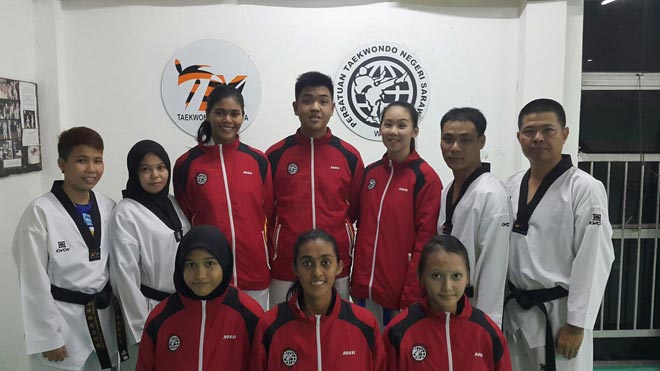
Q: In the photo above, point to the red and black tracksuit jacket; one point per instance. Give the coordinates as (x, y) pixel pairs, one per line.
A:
(187, 334)
(421, 339)
(399, 206)
(316, 182)
(345, 338)
(230, 186)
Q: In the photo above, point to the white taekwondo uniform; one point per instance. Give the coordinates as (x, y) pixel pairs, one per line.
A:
(143, 250)
(50, 249)
(567, 244)
(481, 219)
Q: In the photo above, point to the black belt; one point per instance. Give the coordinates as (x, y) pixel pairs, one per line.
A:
(535, 298)
(92, 303)
(153, 294)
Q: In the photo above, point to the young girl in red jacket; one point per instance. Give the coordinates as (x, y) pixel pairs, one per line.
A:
(206, 324)
(443, 331)
(226, 183)
(316, 329)
(399, 206)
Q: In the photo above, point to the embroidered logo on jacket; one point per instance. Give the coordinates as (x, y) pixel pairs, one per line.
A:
(229, 337)
(292, 168)
(480, 355)
(61, 247)
(348, 353)
(372, 183)
(289, 357)
(173, 343)
(247, 172)
(334, 167)
(418, 353)
(403, 189)
(596, 219)
(201, 178)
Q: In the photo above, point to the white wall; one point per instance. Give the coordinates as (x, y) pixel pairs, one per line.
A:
(98, 63)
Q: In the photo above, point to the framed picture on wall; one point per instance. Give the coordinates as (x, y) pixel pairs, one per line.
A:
(20, 146)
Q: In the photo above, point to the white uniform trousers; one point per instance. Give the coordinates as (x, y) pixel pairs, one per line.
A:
(524, 358)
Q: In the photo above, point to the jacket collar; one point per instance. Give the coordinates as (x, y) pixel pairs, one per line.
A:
(301, 139)
(397, 165)
(332, 313)
(463, 310)
(212, 147)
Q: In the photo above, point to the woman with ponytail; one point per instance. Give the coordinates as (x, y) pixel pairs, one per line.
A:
(228, 184)
(317, 329)
(399, 205)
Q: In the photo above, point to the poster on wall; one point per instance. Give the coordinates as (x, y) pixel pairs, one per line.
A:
(20, 148)
(193, 72)
(373, 76)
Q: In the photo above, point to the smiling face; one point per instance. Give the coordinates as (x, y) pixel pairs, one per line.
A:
(153, 173)
(461, 146)
(226, 118)
(82, 169)
(542, 138)
(396, 131)
(314, 107)
(316, 268)
(202, 272)
(445, 278)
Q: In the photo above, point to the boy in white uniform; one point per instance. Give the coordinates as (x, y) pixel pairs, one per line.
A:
(561, 249)
(60, 248)
(475, 208)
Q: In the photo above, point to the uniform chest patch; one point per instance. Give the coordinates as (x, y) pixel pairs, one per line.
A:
(418, 353)
(372, 183)
(61, 247)
(173, 343)
(292, 168)
(289, 358)
(201, 178)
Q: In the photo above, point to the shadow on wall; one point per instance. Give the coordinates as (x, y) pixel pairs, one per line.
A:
(460, 8)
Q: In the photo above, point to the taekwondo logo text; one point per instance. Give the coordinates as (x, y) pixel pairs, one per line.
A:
(374, 76)
(194, 71)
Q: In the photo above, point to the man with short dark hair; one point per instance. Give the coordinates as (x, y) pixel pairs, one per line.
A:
(316, 182)
(475, 208)
(561, 249)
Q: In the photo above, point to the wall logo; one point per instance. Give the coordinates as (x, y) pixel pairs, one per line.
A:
(193, 72)
(374, 76)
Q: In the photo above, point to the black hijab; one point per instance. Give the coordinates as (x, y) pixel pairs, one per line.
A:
(159, 203)
(209, 238)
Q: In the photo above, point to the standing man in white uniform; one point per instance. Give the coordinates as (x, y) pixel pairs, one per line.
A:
(475, 208)
(561, 249)
(61, 250)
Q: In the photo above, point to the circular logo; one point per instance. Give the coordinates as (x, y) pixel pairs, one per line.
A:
(418, 353)
(201, 178)
(292, 168)
(372, 183)
(193, 72)
(374, 76)
(289, 357)
(173, 343)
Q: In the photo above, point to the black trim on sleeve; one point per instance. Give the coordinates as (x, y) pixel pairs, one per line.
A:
(275, 156)
(479, 318)
(173, 305)
(346, 314)
(449, 210)
(182, 174)
(251, 319)
(93, 242)
(415, 314)
(525, 210)
(261, 160)
(420, 179)
(284, 316)
(350, 157)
